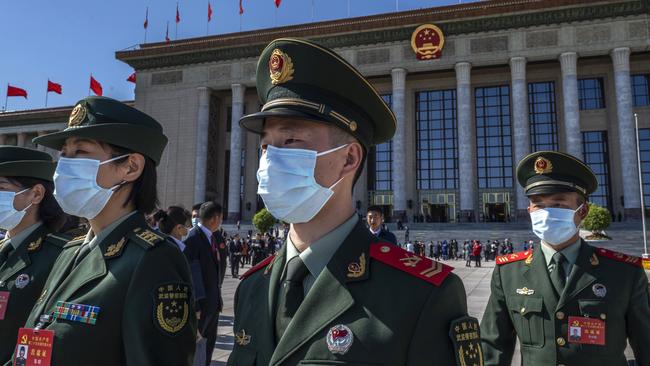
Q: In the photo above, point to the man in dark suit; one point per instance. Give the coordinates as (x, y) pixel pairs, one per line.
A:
(375, 219)
(202, 247)
(235, 251)
(221, 247)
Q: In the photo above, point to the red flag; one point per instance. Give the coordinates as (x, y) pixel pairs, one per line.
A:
(241, 7)
(95, 86)
(146, 19)
(178, 14)
(167, 33)
(131, 78)
(277, 3)
(209, 12)
(54, 87)
(13, 91)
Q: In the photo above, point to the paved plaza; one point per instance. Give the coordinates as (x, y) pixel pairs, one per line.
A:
(627, 238)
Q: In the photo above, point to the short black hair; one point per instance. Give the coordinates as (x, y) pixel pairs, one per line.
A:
(197, 206)
(49, 210)
(168, 219)
(375, 208)
(144, 192)
(209, 210)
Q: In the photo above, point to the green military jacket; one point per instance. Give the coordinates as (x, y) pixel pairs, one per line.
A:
(602, 284)
(141, 283)
(23, 276)
(395, 314)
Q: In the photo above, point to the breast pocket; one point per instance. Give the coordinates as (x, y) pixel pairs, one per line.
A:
(597, 309)
(528, 319)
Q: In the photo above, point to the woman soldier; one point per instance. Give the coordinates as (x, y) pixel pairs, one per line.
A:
(124, 297)
(30, 215)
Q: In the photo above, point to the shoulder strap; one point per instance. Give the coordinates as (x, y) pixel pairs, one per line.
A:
(514, 257)
(620, 257)
(258, 266)
(420, 267)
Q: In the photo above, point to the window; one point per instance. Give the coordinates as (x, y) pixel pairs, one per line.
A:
(644, 147)
(437, 139)
(542, 116)
(591, 93)
(640, 90)
(594, 144)
(493, 137)
(383, 153)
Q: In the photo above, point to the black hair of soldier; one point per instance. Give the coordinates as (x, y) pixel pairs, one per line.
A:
(375, 208)
(49, 211)
(197, 206)
(209, 210)
(172, 216)
(144, 192)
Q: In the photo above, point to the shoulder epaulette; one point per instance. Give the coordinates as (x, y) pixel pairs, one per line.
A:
(420, 267)
(58, 240)
(635, 261)
(257, 267)
(147, 238)
(515, 257)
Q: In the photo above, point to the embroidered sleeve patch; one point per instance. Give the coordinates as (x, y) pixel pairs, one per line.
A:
(466, 336)
(171, 307)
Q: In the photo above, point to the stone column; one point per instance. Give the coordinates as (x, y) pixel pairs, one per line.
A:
(21, 139)
(201, 155)
(520, 126)
(573, 143)
(466, 143)
(398, 76)
(626, 133)
(3, 139)
(234, 198)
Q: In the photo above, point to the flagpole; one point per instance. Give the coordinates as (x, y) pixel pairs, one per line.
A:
(46, 94)
(91, 77)
(7, 97)
(207, 24)
(146, 19)
(312, 11)
(275, 17)
(176, 22)
(348, 8)
(396, 5)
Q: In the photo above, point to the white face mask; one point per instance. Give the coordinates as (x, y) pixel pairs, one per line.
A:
(76, 189)
(9, 216)
(287, 185)
(554, 225)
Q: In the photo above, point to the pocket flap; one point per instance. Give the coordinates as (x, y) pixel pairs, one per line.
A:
(526, 304)
(592, 307)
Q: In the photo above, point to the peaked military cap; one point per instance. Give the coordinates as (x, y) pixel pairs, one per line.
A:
(23, 162)
(546, 172)
(111, 121)
(300, 79)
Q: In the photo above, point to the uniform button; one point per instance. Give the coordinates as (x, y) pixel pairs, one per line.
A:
(523, 310)
(560, 341)
(560, 315)
(603, 316)
(585, 315)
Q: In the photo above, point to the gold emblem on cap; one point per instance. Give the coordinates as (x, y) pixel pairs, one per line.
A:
(77, 116)
(543, 166)
(353, 126)
(280, 67)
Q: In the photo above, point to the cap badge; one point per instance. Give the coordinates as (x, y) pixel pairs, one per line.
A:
(339, 339)
(77, 116)
(543, 166)
(280, 67)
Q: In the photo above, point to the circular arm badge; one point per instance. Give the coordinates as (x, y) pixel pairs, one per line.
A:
(171, 307)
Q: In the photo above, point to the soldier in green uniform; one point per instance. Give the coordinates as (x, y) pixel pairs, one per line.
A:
(31, 216)
(567, 302)
(334, 293)
(124, 296)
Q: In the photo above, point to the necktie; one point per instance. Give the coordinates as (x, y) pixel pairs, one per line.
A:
(291, 295)
(5, 250)
(215, 249)
(558, 275)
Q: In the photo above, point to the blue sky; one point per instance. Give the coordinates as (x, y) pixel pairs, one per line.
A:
(67, 40)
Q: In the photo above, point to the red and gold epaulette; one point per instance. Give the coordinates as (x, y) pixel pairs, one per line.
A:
(635, 261)
(514, 257)
(421, 267)
(258, 266)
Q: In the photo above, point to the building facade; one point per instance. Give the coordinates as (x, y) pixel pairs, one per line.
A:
(514, 76)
